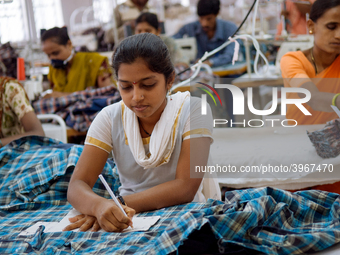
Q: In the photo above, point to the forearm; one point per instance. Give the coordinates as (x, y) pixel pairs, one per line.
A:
(82, 198)
(320, 101)
(178, 35)
(223, 58)
(61, 94)
(55, 94)
(178, 191)
(181, 32)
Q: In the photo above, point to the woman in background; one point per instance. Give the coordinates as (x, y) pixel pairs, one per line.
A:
(148, 23)
(313, 69)
(295, 16)
(17, 117)
(71, 71)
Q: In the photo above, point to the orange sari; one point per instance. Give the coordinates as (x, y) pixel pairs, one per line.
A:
(296, 70)
(295, 65)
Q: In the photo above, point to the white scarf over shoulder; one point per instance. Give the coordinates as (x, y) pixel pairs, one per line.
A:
(163, 137)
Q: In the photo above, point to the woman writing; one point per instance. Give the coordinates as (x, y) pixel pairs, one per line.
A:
(17, 117)
(309, 69)
(70, 71)
(154, 138)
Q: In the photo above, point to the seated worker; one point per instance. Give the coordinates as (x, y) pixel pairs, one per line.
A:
(309, 69)
(125, 15)
(151, 137)
(210, 33)
(71, 71)
(295, 17)
(17, 117)
(148, 23)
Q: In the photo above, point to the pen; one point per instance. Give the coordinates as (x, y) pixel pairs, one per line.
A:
(111, 194)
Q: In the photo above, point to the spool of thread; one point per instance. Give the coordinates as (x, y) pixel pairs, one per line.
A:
(21, 69)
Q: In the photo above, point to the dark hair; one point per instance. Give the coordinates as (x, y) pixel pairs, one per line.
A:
(320, 7)
(206, 7)
(148, 47)
(57, 34)
(149, 18)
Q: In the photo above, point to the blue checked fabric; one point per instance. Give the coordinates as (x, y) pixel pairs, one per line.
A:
(34, 175)
(79, 108)
(37, 170)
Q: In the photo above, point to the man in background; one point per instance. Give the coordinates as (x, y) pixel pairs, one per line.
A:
(210, 33)
(125, 15)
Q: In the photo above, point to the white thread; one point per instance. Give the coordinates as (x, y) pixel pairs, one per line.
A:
(236, 49)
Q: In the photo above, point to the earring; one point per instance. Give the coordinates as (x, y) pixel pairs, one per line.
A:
(310, 31)
(142, 96)
(169, 94)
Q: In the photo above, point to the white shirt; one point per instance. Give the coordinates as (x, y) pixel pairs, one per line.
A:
(107, 132)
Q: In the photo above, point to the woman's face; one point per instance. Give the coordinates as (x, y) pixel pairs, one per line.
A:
(143, 91)
(326, 31)
(145, 27)
(56, 51)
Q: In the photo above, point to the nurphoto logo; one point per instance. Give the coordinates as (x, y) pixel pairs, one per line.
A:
(239, 102)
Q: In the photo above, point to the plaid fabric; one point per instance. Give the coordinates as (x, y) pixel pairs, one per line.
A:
(79, 108)
(37, 170)
(267, 220)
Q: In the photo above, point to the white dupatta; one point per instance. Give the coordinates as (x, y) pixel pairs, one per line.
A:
(163, 137)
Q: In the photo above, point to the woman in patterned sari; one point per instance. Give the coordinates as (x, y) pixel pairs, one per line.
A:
(17, 117)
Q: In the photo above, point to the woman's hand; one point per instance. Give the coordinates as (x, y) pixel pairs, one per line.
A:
(83, 222)
(111, 218)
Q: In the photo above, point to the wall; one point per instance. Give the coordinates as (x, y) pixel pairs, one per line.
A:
(69, 6)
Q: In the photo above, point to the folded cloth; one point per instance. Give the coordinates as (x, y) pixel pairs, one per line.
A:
(327, 140)
(163, 137)
(79, 108)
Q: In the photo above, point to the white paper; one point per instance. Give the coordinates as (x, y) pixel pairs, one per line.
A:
(139, 224)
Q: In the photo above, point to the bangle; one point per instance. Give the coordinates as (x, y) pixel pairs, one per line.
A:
(334, 98)
(1, 144)
(121, 199)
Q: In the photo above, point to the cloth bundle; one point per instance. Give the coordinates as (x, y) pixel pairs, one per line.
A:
(327, 140)
(79, 108)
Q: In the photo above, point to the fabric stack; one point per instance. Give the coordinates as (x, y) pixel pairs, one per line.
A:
(327, 140)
